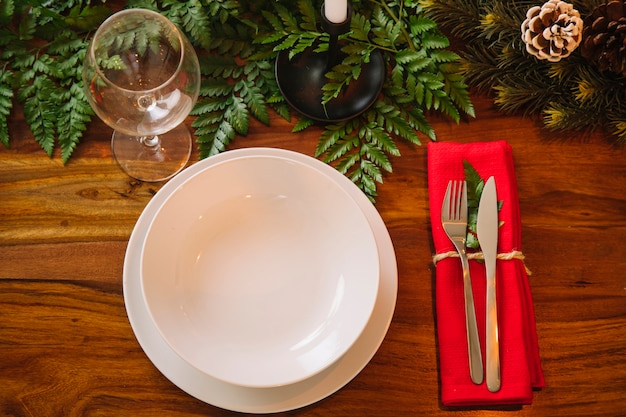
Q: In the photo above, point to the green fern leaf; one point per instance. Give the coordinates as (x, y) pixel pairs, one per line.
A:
(4, 130)
(431, 80)
(289, 21)
(372, 171)
(218, 66)
(341, 147)
(215, 87)
(420, 24)
(6, 104)
(212, 144)
(46, 65)
(362, 179)
(400, 127)
(446, 105)
(288, 42)
(237, 114)
(443, 56)
(389, 117)
(348, 162)
(374, 152)
(28, 25)
(397, 75)
(196, 23)
(418, 65)
(302, 124)
(73, 117)
(283, 110)
(24, 62)
(456, 88)
(270, 38)
(385, 30)
(360, 27)
(309, 22)
(434, 41)
(253, 99)
(305, 41)
(415, 118)
(206, 123)
(39, 112)
(210, 104)
(275, 22)
(86, 18)
(329, 137)
(7, 8)
(143, 4)
(407, 56)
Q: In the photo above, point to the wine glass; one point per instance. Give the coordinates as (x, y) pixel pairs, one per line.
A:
(142, 78)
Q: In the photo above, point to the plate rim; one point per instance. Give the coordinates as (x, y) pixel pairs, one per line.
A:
(262, 400)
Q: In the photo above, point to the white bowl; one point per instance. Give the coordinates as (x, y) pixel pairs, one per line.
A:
(260, 271)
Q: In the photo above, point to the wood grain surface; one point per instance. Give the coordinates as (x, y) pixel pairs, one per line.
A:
(67, 348)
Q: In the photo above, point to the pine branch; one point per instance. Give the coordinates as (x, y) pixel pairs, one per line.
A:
(573, 118)
(570, 95)
(500, 22)
(459, 18)
(618, 127)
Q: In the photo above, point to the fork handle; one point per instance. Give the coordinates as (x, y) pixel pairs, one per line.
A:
(473, 342)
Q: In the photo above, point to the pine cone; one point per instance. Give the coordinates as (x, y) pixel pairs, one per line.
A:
(604, 37)
(552, 31)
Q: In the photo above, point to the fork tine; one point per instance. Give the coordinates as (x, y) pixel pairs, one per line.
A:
(445, 206)
(463, 213)
(453, 200)
(457, 200)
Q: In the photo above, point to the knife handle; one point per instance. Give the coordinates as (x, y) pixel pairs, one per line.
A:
(492, 343)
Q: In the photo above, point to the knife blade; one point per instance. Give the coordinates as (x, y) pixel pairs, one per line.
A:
(487, 232)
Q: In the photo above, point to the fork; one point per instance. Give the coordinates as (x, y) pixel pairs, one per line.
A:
(454, 221)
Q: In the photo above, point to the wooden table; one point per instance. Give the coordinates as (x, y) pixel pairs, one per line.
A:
(67, 348)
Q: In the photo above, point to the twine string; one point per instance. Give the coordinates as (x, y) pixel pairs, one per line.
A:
(479, 256)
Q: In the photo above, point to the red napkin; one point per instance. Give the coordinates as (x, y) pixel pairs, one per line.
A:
(519, 351)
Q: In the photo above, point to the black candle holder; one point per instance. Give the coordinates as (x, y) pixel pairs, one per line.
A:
(302, 78)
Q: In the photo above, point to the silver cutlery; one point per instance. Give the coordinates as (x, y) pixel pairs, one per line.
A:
(454, 222)
(487, 231)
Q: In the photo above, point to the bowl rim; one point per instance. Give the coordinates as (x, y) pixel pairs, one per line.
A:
(373, 260)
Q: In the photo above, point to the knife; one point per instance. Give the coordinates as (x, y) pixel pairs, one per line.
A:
(487, 232)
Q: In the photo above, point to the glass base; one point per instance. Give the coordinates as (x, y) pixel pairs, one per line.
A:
(153, 159)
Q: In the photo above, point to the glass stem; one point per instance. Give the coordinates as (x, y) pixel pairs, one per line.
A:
(152, 142)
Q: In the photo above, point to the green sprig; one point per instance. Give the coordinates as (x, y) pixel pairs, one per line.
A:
(237, 43)
(475, 186)
(40, 65)
(424, 76)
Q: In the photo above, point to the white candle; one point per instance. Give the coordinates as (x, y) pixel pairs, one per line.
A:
(336, 11)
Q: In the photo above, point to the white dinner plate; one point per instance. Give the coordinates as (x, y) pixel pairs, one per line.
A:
(247, 399)
(260, 271)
